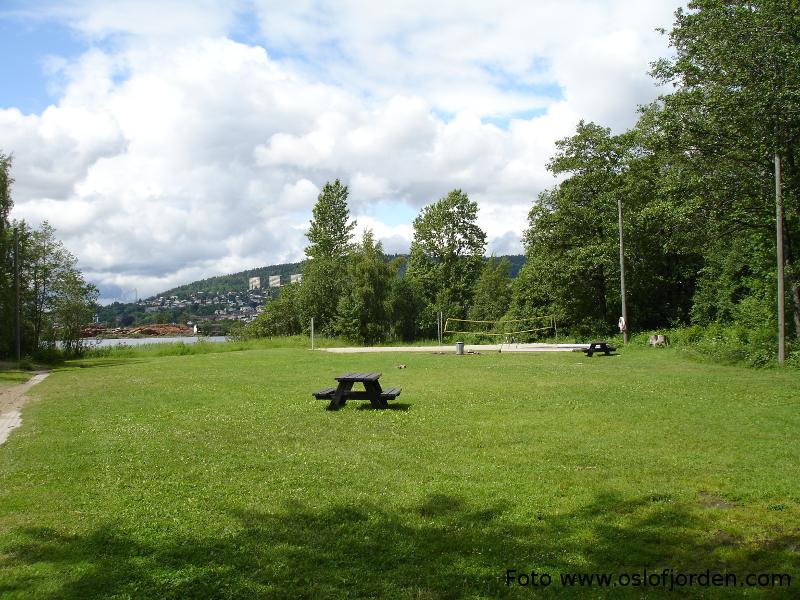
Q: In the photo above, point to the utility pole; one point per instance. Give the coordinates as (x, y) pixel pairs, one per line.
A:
(624, 320)
(17, 327)
(779, 243)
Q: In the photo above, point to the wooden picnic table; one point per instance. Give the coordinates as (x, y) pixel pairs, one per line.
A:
(599, 346)
(344, 391)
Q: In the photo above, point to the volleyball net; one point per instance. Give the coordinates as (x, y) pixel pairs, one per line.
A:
(503, 327)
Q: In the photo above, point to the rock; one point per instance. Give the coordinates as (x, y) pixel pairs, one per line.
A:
(658, 340)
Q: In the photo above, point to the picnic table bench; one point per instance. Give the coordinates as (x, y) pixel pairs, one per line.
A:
(344, 391)
(599, 346)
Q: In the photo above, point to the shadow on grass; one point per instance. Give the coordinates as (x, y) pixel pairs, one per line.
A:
(442, 548)
(96, 363)
(401, 406)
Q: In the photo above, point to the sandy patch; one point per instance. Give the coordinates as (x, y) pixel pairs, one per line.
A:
(467, 348)
(12, 400)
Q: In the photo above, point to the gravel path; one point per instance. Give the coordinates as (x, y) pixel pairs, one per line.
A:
(12, 400)
(468, 348)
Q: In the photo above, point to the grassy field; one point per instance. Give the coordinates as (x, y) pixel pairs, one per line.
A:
(10, 375)
(218, 475)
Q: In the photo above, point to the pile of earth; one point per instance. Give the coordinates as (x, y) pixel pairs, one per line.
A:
(156, 330)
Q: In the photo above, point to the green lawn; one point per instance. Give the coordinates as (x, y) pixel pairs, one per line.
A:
(218, 475)
(9, 376)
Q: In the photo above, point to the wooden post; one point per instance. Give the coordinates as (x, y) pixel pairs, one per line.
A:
(622, 272)
(312, 333)
(779, 244)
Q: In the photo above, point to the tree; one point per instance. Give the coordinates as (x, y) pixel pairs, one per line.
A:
(6, 181)
(6, 271)
(280, 316)
(325, 269)
(407, 302)
(72, 307)
(492, 291)
(364, 310)
(446, 257)
(736, 70)
(572, 268)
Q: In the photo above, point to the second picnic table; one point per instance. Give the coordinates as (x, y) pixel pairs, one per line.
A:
(344, 391)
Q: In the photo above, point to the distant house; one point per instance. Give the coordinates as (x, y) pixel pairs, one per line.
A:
(254, 283)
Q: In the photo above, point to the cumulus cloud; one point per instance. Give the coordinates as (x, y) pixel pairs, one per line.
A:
(176, 152)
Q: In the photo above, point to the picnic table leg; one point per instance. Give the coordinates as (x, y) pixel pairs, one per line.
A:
(374, 391)
(340, 396)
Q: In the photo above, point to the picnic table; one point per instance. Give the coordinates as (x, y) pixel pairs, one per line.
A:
(599, 346)
(344, 391)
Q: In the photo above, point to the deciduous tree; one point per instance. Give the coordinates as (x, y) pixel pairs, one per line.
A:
(446, 257)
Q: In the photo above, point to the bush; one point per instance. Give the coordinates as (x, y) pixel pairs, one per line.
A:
(729, 344)
(26, 364)
(49, 355)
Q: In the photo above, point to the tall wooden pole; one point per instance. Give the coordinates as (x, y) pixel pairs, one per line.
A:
(779, 243)
(17, 327)
(622, 271)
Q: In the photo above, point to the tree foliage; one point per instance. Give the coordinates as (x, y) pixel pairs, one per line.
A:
(736, 73)
(492, 296)
(6, 272)
(446, 257)
(280, 316)
(325, 270)
(364, 310)
(54, 299)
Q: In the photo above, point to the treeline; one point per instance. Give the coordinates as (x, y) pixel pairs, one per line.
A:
(696, 178)
(238, 282)
(44, 299)
(350, 290)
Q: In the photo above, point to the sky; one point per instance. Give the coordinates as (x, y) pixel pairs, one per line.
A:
(169, 141)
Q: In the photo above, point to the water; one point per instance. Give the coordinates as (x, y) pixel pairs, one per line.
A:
(104, 343)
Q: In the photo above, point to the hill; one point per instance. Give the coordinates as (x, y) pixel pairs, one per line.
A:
(235, 282)
(223, 297)
(238, 282)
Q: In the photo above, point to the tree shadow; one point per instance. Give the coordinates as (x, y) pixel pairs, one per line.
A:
(98, 363)
(444, 547)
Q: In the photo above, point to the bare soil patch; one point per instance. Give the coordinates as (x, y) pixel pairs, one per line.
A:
(12, 400)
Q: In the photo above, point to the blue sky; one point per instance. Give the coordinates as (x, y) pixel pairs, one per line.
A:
(186, 139)
(25, 46)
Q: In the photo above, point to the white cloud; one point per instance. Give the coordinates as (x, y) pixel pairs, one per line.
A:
(176, 152)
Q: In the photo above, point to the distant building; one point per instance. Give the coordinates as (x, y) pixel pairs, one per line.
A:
(274, 281)
(297, 278)
(255, 283)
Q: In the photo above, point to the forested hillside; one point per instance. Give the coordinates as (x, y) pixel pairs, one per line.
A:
(237, 282)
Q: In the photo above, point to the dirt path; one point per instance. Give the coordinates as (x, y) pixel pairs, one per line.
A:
(12, 400)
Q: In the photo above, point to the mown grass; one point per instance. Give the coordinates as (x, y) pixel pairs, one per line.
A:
(218, 475)
(10, 374)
